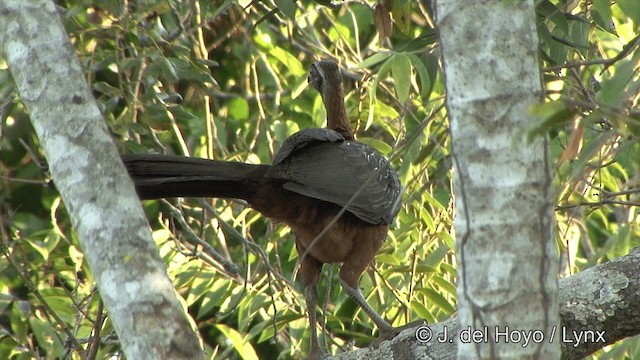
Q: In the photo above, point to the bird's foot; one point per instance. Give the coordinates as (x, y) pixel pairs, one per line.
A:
(391, 332)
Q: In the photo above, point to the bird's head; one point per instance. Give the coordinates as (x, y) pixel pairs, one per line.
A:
(324, 75)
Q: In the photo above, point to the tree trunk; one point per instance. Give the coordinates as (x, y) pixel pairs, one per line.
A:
(94, 185)
(507, 275)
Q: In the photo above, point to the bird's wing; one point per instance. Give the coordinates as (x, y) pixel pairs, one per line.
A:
(305, 138)
(347, 173)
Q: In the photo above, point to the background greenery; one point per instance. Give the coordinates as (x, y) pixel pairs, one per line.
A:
(227, 80)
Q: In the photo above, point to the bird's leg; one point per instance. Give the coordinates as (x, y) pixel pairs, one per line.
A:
(310, 270)
(315, 350)
(349, 275)
(387, 332)
(356, 295)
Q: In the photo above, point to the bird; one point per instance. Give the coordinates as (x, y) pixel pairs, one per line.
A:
(338, 195)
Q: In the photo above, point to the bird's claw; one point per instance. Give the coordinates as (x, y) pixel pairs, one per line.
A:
(388, 334)
(317, 354)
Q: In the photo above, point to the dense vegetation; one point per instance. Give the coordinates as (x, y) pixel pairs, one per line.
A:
(227, 80)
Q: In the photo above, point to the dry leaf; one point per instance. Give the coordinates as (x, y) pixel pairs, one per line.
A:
(575, 143)
(382, 19)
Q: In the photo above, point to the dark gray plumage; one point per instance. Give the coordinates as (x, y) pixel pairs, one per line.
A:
(353, 174)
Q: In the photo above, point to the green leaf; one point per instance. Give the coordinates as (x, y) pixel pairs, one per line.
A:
(601, 14)
(239, 108)
(579, 33)
(106, 89)
(128, 64)
(549, 115)
(425, 79)
(631, 8)
(389, 259)
(10, 349)
(46, 336)
(240, 344)
(401, 11)
(587, 153)
(168, 70)
(383, 113)
(5, 302)
(434, 297)
(40, 248)
(437, 256)
(401, 70)
(379, 145)
(382, 73)
(374, 59)
(553, 13)
(77, 257)
(325, 3)
(612, 93)
(301, 85)
(288, 8)
(186, 70)
(422, 312)
(287, 59)
(445, 285)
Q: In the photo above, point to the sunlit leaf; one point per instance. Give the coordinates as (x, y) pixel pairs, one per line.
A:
(434, 297)
(374, 59)
(379, 145)
(382, 73)
(425, 79)
(287, 59)
(631, 8)
(422, 311)
(46, 336)
(239, 108)
(401, 12)
(242, 347)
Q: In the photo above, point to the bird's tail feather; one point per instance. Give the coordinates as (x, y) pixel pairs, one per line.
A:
(162, 176)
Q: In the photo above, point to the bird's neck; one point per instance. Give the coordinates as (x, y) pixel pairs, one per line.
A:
(336, 112)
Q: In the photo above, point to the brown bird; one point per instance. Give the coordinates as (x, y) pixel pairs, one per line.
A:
(337, 195)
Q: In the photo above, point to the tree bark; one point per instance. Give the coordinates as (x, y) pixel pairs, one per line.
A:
(93, 183)
(507, 275)
(598, 307)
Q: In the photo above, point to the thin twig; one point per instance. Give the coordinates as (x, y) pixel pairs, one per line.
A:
(230, 268)
(36, 293)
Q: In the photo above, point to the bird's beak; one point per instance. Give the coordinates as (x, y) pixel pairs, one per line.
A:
(313, 72)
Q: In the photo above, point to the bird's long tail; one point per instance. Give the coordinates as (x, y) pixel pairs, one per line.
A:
(162, 176)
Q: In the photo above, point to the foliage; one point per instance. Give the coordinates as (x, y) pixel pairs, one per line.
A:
(227, 80)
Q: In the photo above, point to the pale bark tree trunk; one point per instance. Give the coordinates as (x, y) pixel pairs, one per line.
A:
(94, 185)
(507, 274)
